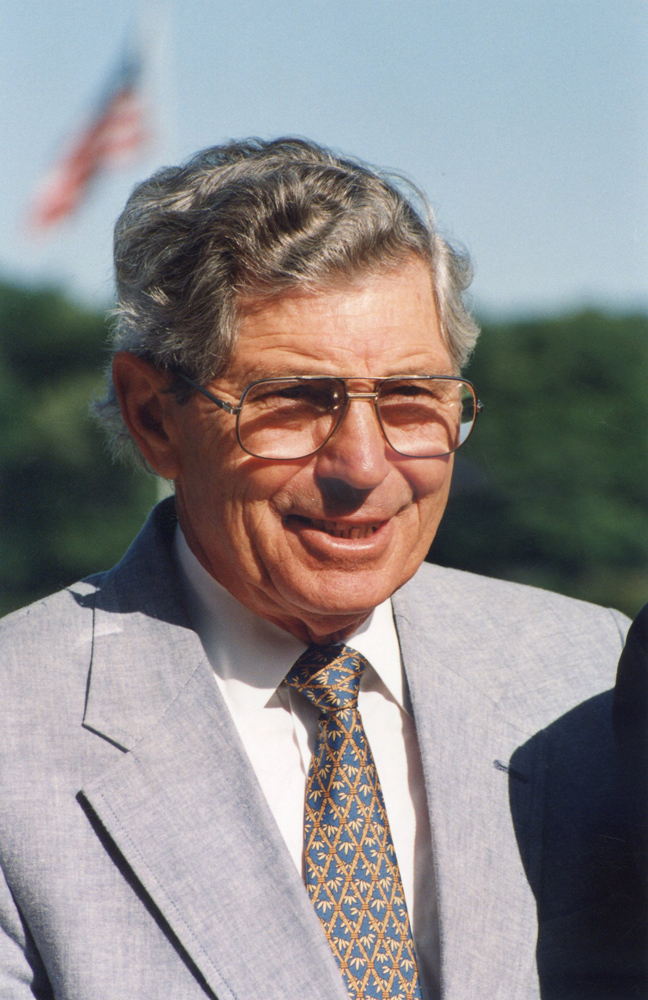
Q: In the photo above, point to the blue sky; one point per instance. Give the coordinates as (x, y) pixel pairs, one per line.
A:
(524, 122)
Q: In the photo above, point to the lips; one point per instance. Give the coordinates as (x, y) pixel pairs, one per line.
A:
(339, 529)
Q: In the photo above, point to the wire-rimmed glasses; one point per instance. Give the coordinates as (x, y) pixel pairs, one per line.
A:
(283, 419)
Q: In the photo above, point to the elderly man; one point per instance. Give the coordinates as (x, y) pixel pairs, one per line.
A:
(267, 754)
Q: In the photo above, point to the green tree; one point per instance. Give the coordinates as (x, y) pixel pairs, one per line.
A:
(65, 509)
(552, 489)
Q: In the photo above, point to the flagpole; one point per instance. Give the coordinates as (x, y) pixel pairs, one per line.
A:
(155, 27)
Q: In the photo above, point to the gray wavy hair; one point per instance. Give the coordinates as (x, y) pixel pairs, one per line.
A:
(256, 218)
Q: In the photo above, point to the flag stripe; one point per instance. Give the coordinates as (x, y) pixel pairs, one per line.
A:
(116, 134)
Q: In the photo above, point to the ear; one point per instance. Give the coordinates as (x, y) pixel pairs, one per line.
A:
(148, 410)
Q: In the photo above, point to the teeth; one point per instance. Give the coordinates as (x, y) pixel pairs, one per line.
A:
(343, 531)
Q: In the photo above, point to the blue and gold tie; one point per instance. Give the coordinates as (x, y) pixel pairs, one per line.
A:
(351, 868)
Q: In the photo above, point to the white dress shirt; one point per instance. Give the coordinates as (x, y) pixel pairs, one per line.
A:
(250, 658)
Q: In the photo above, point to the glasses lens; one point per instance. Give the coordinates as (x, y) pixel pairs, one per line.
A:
(289, 418)
(426, 417)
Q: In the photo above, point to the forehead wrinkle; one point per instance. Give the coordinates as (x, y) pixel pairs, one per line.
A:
(343, 363)
(299, 360)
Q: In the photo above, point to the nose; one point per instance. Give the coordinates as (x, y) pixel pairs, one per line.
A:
(356, 454)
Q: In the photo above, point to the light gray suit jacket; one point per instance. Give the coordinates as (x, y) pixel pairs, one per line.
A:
(139, 856)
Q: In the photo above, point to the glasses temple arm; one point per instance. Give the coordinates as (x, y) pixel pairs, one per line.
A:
(224, 405)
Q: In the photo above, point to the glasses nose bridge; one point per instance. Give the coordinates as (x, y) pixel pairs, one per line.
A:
(351, 397)
(362, 395)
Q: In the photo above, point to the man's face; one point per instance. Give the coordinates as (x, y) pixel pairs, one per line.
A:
(315, 544)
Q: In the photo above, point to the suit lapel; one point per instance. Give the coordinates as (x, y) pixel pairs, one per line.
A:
(486, 908)
(184, 808)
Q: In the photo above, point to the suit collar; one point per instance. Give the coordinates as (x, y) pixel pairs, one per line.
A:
(138, 611)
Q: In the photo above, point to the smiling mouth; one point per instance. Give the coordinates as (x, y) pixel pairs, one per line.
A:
(338, 529)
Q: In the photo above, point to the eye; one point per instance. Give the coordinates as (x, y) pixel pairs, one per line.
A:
(316, 396)
(305, 393)
(422, 392)
(408, 389)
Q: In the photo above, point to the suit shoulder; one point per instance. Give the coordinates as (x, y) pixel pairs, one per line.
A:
(60, 606)
(533, 652)
(511, 602)
(37, 642)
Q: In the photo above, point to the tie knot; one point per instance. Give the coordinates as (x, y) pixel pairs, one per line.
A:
(328, 676)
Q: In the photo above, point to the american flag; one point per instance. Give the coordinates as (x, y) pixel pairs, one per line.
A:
(115, 134)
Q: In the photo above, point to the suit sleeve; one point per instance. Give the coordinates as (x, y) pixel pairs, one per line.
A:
(22, 975)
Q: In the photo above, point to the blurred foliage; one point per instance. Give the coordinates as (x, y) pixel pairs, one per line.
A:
(65, 509)
(552, 487)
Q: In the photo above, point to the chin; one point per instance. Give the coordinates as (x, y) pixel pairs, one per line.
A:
(345, 594)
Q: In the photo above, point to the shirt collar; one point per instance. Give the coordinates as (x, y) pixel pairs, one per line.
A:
(251, 656)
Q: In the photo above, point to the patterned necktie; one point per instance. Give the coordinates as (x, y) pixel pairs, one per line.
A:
(352, 873)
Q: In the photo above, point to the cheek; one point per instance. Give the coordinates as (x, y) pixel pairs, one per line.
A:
(430, 480)
(255, 496)
(431, 491)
